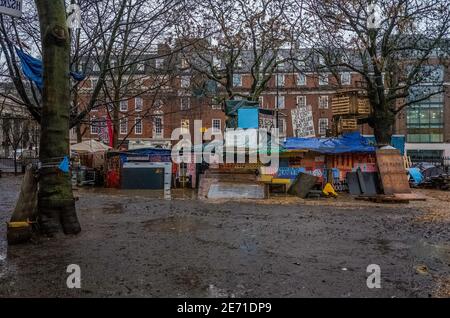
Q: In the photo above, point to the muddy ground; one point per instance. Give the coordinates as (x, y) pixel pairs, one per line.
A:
(138, 244)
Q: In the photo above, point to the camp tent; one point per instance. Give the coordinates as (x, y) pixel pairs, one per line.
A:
(89, 146)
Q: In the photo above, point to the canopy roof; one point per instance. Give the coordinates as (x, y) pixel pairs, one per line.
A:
(89, 146)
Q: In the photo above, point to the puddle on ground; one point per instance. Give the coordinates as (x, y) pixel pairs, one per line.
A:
(174, 224)
(114, 208)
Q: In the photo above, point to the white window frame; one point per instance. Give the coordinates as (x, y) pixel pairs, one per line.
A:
(123, 126)
(235, 82)
(261, 101)
(95, 129)
(320, 128)
(346, 78)
(215, 105)
(215, 129)
(324, 79)
(136, 125)
(184, 63)
(159, 62)
(282, 129)
(239, 62)
(138, 104)
(185, 81)
(124, 105)
(278, 103)
(140, 67)
(278, 82)
(301, 101)
(303, 82)
(188, 103)
(96, 67)
(322, 103)
(155, 132)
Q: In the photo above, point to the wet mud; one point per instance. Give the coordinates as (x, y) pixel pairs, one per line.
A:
(135, 243)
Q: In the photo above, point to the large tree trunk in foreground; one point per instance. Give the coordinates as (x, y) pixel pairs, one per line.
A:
(55, 198)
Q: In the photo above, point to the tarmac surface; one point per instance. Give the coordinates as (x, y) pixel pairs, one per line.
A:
(135, 243)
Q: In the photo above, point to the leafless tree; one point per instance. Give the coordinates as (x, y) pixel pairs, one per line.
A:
(403, 45)
(239, 37)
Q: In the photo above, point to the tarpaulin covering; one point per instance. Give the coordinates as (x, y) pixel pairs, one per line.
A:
(397, 141)
(33, 70)
(348, 143)
(415, 175)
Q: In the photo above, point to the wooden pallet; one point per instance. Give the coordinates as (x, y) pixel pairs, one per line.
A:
(347, 124)
(350, 105)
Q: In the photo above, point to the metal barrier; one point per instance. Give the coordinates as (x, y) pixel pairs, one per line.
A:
(9, 165)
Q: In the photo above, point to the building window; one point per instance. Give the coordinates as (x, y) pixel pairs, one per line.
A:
(138, 126)
(346, 78)
(323, 126)
(185, 103)
(139, 104)
(323, 79)
(280, 80)
(159, 63)
(96, 67)
(216, 62)
(185, 123)
(323, 102)
(185, 81)
(215, 104)
(261, 101)
(279, 100)
(237, 80)
(301, 79)
(281, 125)
(158, 123)
(124, 126)
(184, 63)
(280, 62)
(425, 120)
(95, 126)
(239, 63)
(301, 101)
(216, 125)
(124, 105)
(141, 67)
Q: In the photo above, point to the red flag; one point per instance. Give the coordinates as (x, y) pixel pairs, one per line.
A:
(110, 130)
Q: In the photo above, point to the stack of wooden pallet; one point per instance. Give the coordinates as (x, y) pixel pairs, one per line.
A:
(348, 106)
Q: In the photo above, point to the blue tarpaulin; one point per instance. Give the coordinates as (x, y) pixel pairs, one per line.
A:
(248, 118)
(397, 141)
(416, 175)
(351, 142)
(32, 68)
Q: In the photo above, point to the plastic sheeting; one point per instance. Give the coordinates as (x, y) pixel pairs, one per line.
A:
(33, 70)
(348, 143)
(415, 175)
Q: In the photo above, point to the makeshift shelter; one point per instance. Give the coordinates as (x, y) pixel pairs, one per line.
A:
(89, 158)
(146, 168)
(352, 142)
(89, 146)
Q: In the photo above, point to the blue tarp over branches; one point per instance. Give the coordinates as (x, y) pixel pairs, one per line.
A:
(33, 70)
(351, 142)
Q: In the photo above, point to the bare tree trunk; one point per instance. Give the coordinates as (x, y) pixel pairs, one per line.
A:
(55, 198)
